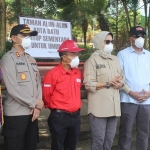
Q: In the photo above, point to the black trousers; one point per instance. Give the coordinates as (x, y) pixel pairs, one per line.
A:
(65, 129)
(20, 133)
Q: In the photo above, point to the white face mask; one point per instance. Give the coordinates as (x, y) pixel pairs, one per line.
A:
(26, 42)
(108, 48)
(139, 42)
(74, 62)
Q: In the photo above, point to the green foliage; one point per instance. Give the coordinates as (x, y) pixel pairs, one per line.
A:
(17, 8)
(84, 55)
(76, 11)
(8, 46)
(2, 53)
(76, 32)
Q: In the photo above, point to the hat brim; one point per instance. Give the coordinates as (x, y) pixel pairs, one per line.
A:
(143, 32)
(76, 50)
(72, 50)
(32, 33)
(137, 32)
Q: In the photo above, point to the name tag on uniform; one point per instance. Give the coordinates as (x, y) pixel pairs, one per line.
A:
(33, 63)
(47, 85)
(78, 80)
(20, 63)
(100, 66)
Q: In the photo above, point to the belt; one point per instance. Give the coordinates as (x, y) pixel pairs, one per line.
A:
(66, 112)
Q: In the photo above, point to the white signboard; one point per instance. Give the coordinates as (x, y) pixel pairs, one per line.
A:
(51, 33)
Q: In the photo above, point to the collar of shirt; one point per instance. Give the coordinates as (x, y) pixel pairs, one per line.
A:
(72, 71)
(17, 54)
(131, 49)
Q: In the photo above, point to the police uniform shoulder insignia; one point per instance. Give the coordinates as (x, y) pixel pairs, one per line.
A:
(26, 26)
(31, 60)
(27, 54)
(17, 54)
(23, 76)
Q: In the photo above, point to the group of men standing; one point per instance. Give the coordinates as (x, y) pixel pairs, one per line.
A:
(61, 93)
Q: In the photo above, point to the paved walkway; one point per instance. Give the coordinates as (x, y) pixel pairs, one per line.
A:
(45, 140)
(84, 139)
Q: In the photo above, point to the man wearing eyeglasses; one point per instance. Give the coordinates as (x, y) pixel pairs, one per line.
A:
(24, 93)
(135, 103)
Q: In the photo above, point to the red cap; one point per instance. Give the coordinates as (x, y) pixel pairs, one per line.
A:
(69, 46)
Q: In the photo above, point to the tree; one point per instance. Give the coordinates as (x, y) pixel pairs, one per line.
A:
(145, 10)
(17, 8)
(3, 25)
(99, 10)
(77, 10)
(118, 23)
(149, 27)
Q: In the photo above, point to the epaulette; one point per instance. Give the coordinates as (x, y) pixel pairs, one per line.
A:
(28, 54)
(17, 54)
(31, 59)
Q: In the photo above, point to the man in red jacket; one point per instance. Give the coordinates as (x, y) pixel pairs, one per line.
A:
(61, 93)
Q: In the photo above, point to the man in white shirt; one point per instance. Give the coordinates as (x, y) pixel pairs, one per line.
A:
(135, 103)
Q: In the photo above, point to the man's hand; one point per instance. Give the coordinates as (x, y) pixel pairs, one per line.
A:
(36, 113)
(144, 96)
(39, 104)
(135, 95)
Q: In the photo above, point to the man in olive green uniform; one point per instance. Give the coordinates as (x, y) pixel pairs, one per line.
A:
(24, 96)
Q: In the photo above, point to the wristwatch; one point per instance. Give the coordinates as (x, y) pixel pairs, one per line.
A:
(107, 85)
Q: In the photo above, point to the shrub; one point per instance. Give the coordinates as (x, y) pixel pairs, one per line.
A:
(84, 55)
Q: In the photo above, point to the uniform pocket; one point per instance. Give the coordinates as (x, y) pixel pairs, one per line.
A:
(62, 88)
(102, 75)
(36, 71)
(78, 84)
(23, 74)
(9, 133)
(118, 72)
(10, 136)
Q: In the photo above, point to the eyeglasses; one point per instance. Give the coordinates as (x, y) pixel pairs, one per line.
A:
(109, 41)
(139, 35)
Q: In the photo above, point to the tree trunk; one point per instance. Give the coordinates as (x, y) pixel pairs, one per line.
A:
(2, 26)
(145, 10)
(127, 13)
(84, 29)
(134, 17)
(117, 14)
(102, 22)
(146, 21)
(149, 27)
(18, 9)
